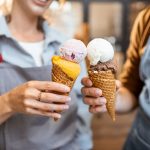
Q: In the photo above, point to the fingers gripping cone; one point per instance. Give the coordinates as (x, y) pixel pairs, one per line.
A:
(60, 77)
(105, 80)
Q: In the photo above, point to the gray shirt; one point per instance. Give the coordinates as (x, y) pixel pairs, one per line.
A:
(14, 54)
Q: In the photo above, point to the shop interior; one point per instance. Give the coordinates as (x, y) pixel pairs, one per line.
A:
(109, 19)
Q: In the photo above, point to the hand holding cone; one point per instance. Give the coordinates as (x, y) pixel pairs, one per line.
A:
(60, 76)
(102, 71)
(66, 67)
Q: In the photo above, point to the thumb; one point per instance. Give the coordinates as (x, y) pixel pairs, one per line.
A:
(118, 85)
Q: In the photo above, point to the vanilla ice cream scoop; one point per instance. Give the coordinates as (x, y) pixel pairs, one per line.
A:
(99, 50)
(73, 50)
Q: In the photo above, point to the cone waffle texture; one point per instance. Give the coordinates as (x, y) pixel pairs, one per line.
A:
(105, 80)
(60, 77)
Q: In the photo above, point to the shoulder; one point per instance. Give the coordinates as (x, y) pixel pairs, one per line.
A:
(142, 21)
(141, 29)
(144, 15)
(144, 27)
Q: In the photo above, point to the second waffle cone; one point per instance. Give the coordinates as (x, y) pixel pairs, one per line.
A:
(105, 80)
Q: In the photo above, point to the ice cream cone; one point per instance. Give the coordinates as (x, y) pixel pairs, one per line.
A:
(64, 72)
(102, 70)
(66, 67)
(105, 80)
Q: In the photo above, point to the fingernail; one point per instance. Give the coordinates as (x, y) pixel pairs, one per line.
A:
(89, 83)
(66, 107)
(58, 116)
(103, 100)
(97, 92)
(68, 99)
(67, 89)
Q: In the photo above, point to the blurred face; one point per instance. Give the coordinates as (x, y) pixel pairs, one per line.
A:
(34, 7)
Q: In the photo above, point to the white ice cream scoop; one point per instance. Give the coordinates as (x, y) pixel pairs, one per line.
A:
(99, 50)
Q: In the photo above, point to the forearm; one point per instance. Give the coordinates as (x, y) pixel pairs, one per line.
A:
(5, 111)
(125, 101)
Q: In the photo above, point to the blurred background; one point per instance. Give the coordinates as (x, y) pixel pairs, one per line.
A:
(113, 20)
(88, 19)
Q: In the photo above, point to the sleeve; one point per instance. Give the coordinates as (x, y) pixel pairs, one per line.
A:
(130, 77)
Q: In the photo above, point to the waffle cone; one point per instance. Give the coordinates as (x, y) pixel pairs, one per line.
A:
(105, 80)
(60, 77)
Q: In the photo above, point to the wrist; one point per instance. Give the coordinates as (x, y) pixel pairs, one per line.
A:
(125, 101)
(5, 103)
